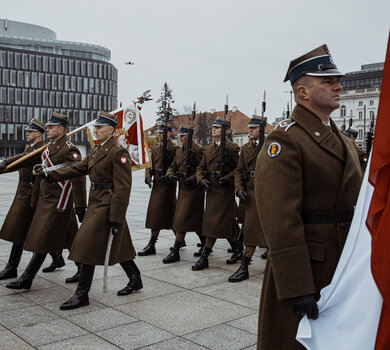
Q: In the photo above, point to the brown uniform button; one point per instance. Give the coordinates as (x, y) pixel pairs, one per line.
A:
(343, 225)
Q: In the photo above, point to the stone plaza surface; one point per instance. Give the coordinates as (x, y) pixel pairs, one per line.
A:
(177, 309)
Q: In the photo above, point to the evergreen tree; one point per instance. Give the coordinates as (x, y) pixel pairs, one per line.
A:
(202, 133)
(164, 100)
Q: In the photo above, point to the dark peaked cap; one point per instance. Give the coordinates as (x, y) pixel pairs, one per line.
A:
(58, 119)
(317, 62)
(36, 125)
(105, 118)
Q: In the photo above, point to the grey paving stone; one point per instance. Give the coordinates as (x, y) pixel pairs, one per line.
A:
(102, 319)
(5, 291)
(245, 293)
(8, 340)
(134, 335)
(25, 316)
(154, 262)
(247, 324)
(14, 301)
(222, 337)
(175, 343)
(188, 311)
(43, 296)
(151, 288)
(85, 342)
(253, 347)
(48, 332)
(183, 276)
(2, 328)
(55, 307)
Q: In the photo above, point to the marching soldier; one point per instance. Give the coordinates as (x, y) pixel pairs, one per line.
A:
(162, 201)
(20, 215)
(109, 169)
(54, 224)
(353, 134)
(307, 181)
(219, 214)
(190, 203)
(244, 182)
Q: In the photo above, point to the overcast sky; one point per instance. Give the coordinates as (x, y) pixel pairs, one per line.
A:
(206, 49)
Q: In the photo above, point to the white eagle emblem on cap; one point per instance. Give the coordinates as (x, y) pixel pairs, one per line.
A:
(331, 60)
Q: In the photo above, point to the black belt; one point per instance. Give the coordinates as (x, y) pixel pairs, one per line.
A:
(328, 217)
(209, 174)
(102, 186)
(26, 179)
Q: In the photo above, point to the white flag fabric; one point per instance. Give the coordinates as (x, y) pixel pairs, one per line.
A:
(350, 306)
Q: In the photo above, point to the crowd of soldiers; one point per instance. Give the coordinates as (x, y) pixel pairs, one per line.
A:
(296, 189)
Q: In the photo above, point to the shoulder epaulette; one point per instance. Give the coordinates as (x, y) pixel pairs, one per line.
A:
(285, 124)
(69, 144)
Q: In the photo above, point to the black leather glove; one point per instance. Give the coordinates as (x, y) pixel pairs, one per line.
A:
(242, 195)
(3, 165)
(114, 228)
(188, 182)
(305, 305)
(224, 181)
(80, 212)
(172, 177)
(148, 181)
(205, 184)
(162, 179)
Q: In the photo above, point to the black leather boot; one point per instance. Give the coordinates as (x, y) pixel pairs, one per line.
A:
(25, 280)
(203, 262)
(135, 282)
(174, 255)
(242, 273)
(201, 245)
(265, 254)
(75, 278)
(80, 297)
(150, 248)
(237, 253)
(11, 269)
(182, 245)
(58, 261)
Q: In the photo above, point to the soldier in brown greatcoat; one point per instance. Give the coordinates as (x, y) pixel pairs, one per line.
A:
(20, 215)
(190, 202)
(109, 169)
(54, 224)
(162, 201)
(219, 214)
(306, 185)
(244, 182)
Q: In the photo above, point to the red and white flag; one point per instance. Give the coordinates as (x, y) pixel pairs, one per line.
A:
(130, 135)
(355, 307)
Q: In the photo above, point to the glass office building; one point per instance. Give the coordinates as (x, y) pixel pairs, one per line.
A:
(40, 74)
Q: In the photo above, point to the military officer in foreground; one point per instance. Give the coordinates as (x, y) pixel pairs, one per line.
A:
(54, 224)
(219, 214)
(307, 181)
(20, 215)
(190, 202)
(244, 175)
(109, 169)
(162, 201)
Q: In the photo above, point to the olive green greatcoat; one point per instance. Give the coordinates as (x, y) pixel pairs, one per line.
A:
(51, 231)
(316, 170)
(109, 163)
(162, 201)
(253, 235)
(19, 217)
(220, 212)
(190, 202)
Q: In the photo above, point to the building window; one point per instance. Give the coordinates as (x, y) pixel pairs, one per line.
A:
(18, 60)
(360, 133)
(32, 62)
(360, 114)
(371, 114)
(371, 102)
(25, 61)
(360, 103)
(38, 62)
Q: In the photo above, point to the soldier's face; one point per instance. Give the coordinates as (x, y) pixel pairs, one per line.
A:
(160, 135)
(324, 93)
(54, 132)
(103, 132)
(183, 139)
(216, 132)
(254, 133)
(33, 136)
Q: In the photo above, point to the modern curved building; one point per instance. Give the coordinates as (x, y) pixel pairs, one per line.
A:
(40, 74)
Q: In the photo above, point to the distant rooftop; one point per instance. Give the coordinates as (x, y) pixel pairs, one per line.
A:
(31, 37)
(369, 77)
